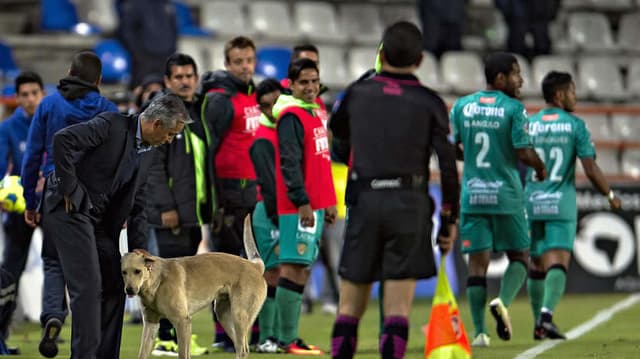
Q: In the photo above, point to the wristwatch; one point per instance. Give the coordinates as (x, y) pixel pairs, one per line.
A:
(611, 195)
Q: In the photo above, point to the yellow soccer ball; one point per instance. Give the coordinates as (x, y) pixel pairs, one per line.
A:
(11, 195)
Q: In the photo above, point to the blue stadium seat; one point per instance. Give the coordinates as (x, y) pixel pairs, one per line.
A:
(186, 24)
(273, 61)
(8, 67)
(116, 62)
(58, 15)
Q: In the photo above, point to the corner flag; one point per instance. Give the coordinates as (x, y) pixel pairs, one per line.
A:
(445, 334)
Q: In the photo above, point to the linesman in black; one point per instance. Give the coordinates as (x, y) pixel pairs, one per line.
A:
(387, 127)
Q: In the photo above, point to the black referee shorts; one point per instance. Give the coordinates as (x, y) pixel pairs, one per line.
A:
(388, 236)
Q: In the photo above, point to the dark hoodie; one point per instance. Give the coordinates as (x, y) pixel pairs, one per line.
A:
(76, 101)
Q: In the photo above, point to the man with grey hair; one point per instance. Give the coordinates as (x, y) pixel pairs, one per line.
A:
(98, 185)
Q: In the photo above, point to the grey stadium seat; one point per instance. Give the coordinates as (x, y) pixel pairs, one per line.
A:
(333, 69)
(393, 13)
(197, 48)
(633, 78)
(462, 71)
(628, 31)
(361, 22)
(224, 18)
(318, 21)
(529, 87)
(625, 127)
(590, 32)
(429, 73)
(98, 12)
(216, 55)
(602, 79)
(631, 162)
(608, 161)
(599, 126)
(361, 59)
(612, 5)
(272, 19)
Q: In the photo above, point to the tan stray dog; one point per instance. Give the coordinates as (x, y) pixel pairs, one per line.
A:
(179, 287)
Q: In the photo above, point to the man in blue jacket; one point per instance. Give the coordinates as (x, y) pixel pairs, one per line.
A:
(13, 136)
(77, 100)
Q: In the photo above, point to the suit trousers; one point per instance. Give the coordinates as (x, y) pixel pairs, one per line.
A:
(90, 260)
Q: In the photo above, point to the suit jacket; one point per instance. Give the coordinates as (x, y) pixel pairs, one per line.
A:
(88, 157)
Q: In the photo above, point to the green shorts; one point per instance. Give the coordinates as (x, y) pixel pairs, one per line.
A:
(547, 235)
(494, 232)
(299, 245)
(267, 237)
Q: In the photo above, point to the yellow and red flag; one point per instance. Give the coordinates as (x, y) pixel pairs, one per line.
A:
(445, 334)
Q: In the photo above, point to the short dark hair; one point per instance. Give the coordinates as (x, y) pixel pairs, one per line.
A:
(240, 42)
(179, 59)
(168, 108)
(27, 77)
(498, 63)
(301, 48)
(553, 82)
(267, 86)
(402, 44)
(86, 66)
(296, 67)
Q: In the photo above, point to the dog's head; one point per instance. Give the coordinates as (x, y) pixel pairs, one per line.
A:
(136, 268)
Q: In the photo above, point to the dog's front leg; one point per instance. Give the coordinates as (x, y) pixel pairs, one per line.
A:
(148, 332)
(183, 331)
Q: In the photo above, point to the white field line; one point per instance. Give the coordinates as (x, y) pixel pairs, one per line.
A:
(601, 317)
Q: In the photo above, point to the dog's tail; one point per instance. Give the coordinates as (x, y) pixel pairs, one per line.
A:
(250, 244)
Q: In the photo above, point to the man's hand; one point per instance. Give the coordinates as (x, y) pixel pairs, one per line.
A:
(306, 215)
(615, 203)
(170, 219)
(446, 243)
(330, 214)
(541, 173)
(32, 217)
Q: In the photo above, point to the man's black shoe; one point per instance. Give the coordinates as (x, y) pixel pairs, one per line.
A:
(48, 344)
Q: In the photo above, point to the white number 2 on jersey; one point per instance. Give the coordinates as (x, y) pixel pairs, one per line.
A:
(482, 139)
(555, 154)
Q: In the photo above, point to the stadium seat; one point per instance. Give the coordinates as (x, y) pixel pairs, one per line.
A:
(625, 127)
(631, 162)
(224, 18)
(273, 61)
(8, 68)
(58, 15)
(318, 21)
(529, 87)
(196, 47)
(429, 73)
(392, 13)
(628, 31)
(361, 59)
(633, 78)
(333, 69)
(271, 19)
(602, 79)
(612, 5)
(116, 63)
(496, 31)
(361, 22)
(186, 23)
(462, 71)
(608, 161)
(101, 13)
(590, 32)
(575, 4)
(598, 126)
(216, 55)
(545, 63)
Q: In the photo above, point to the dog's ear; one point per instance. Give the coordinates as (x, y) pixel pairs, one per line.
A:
(142, 252)
(148, 262)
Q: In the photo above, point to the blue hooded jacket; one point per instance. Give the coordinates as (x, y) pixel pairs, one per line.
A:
(76, 101)
(13, 141)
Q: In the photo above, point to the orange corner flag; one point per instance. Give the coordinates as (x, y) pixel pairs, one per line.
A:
(445, 334)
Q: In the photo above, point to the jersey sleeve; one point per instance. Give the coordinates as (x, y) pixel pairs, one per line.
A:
(584, 145)
(455, 130)
(520, 128)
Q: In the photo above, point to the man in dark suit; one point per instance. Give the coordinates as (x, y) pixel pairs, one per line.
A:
(101, 169)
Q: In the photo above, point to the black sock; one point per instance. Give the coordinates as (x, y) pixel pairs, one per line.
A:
(344, 338)
(393, 341)
(166, 332)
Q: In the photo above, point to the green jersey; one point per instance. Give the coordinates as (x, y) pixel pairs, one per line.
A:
(558, 137)
(491, 126)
